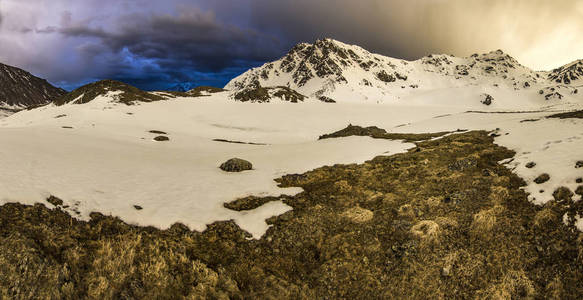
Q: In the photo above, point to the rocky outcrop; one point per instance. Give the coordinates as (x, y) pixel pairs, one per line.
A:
(258, 93)
(569, 73)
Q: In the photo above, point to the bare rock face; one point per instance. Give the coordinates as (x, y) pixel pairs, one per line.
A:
(236, 165)
(258, 93)
(19, 88)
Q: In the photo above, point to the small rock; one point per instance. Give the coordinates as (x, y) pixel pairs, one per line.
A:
(161, 138)
(137, 207)
(579, 164)
(236, 165)
(579, 190)
(487, 99)
(54, 201)
(326, 99)
(579, 180)
(542, 178)
(530, 165)
(157, 132)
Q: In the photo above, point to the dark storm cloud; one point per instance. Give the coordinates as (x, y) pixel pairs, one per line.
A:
(157, 43)
(541, 33)
(192, 39)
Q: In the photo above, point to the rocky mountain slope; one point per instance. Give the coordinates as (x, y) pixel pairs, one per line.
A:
(20, 89)
(571, 74)
(329, 69)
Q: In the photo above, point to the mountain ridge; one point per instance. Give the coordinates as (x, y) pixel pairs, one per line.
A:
(332, 69)
(20, 89)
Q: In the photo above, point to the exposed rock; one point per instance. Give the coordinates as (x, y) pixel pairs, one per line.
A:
(555, 95)
(157, 132)
(257, 93)
(579, 164)
(487, 99)
(236, 165)
(401, 76)
(579, 190)
(530, 165)
(54, 201)
(161, 138)
(542, 178)
(326, 99)
(385, 77)
(568, 73)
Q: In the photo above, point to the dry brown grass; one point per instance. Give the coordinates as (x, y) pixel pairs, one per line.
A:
(398, 227)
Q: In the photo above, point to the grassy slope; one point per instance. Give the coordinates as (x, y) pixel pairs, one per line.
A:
(442, 221)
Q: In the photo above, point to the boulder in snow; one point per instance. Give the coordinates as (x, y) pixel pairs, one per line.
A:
(236, 165)
(542, 178)
(487, 99)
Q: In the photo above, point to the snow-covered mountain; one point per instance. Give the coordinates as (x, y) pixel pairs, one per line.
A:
(181, 87)
(329, 69)
(20, 89)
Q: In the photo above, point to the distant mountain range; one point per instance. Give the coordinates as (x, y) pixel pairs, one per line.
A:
(182, 87)
(329, 71)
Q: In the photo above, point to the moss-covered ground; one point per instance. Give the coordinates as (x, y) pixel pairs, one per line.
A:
(443, 221)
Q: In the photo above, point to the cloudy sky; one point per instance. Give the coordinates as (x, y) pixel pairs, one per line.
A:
(155, 44)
